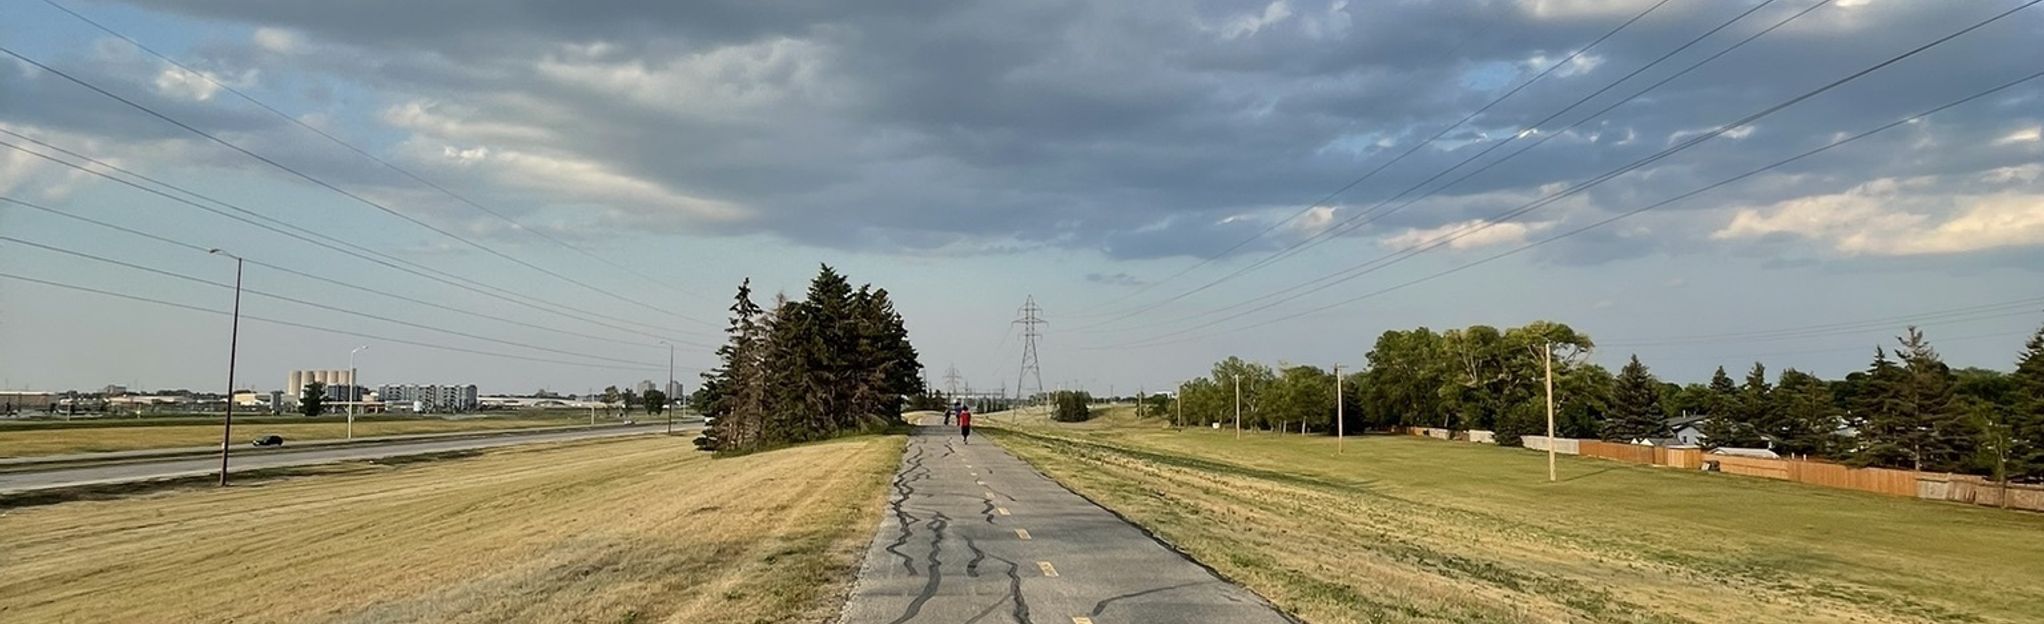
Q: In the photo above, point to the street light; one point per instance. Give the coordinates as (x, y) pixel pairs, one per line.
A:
(233, 344)
(669, 407)
(353, 398)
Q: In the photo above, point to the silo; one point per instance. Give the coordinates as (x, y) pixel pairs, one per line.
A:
(296, 384)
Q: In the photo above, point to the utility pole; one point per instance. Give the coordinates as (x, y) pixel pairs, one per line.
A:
(352, 397)
(669, 407)
(1179, 421)
(1031, 369)
(1238, 407)
(1340, 422)
(1547, 362)
(233, 345)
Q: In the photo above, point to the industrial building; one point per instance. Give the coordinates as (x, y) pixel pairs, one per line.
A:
(340, 384)
(430, 398)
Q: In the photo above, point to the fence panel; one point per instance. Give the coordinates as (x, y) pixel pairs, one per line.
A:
(1621, 452)
(1564, 446)
(1751, 466)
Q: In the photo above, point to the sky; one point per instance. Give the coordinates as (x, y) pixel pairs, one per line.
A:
(527, 195)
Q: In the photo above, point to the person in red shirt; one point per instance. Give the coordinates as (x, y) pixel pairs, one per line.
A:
(965, 424)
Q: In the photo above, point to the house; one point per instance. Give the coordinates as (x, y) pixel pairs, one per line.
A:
(1688, 428)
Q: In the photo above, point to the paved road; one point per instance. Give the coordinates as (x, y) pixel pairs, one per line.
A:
(183, 467)
(972, 534)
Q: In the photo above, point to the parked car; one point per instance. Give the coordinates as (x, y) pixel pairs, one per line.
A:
(268, 440)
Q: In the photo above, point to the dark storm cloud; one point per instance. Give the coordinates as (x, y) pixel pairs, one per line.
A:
(1138, 129)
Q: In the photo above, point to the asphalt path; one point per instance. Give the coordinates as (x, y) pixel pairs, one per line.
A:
(971, 534)
(190, 466)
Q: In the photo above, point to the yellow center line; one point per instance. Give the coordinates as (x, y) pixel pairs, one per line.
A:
(1080, 619)
(1022, 533)
(1047, 569)
(1001, 510)
(990, 495)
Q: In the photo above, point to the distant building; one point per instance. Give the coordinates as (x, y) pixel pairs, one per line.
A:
(431, 398)
(1688, 428)
(13, 401)
(114, 390)
(674, 391)
(644, 387)
(340, 384)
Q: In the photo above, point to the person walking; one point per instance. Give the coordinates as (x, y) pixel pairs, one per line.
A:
(965, 424)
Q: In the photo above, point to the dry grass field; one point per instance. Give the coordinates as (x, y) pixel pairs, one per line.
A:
(644, 530)
(1401, 529)
(22, 441)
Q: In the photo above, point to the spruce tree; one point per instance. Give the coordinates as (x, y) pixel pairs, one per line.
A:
(1722, 427)
(1884, 422)
(1758, 419)
(1940, 438)
(2026, 420)
(1635, 405)
(1806, 421)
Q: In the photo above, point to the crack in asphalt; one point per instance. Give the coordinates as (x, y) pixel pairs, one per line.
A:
(989, 511)
(904, 520)
(1098, 607)
(972, 567)
(936, 566)
(1021, 611)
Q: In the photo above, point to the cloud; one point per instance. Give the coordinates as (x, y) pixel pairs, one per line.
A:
(1115, 279)
(1466, 235)
(277, 40)
(2025, 135)
(1129, 129)
(1889, 217)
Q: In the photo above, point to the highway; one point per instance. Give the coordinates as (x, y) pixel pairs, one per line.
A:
(972, 534)
(200, 465)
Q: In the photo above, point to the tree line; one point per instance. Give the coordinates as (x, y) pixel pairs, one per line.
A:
(837, 360)
(1906, 409)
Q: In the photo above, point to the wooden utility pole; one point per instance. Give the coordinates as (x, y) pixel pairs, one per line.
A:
(1238, 407)
(1340, 423)
(1547, 362)
(1180, 419)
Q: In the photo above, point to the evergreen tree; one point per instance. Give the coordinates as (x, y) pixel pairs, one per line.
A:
(1757, 418)
(1806, 422)
(732, 395)
(1635, 405)
(1724, 427)
(2026, 416)
(1941, 438)
(1879, 414)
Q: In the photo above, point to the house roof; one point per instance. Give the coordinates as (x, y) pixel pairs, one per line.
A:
(1678, 422)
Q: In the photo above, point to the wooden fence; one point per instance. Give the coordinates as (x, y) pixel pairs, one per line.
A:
(1827, 474)
(1926, 485)
(1611, 450)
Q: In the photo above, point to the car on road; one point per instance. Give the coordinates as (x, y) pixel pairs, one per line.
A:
(268, 440)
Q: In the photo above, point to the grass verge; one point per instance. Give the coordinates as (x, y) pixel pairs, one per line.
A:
(37, 440)
(1412, 530)
(637, 530)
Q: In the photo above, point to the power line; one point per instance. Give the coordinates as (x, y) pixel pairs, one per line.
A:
(310, 304)
(1373, 172)
(326, 280)
(359, 151)
(1400, 255)
(323, 240)
(1970, 313)
(1376, 212)
(1770, 166)
(317, 328)
(336, 189)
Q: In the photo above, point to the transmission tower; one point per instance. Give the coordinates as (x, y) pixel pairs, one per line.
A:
(1032, 317)
(951, 382)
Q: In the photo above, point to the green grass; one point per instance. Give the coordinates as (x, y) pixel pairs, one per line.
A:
(41, 438)
(1401, 529)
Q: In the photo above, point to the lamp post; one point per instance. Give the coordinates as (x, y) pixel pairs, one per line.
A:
(233, 344)
(353, 398)
(669, 407)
